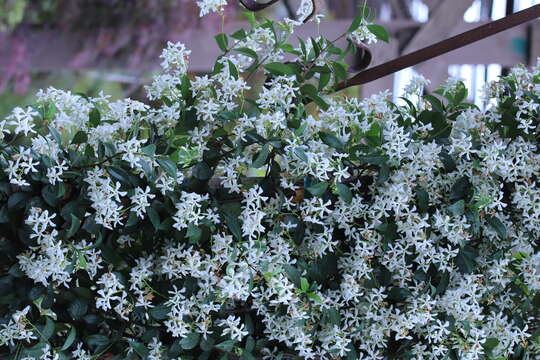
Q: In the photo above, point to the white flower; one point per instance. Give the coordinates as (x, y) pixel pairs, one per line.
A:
(140, 201)
(175, 58)
(189, 210)
(22, 120)
(208, 6)
(362, 35)
(105, 196)
(16, 329)
(54, 173)
(233, 327)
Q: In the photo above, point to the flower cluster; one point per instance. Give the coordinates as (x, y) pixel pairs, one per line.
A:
(237, 219)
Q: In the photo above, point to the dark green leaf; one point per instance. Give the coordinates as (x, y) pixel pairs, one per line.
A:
(278, 68)
(331, 140)
(422, 200)
(97, 342)
(169, 167)
(301, 154)
(149, 150)
(260, 161)
(70, 339)
(202, 171)
(457, 208)
(160, 312)
(247, 52)
(190, 341)
(318, 189)
(79, 138)
(226, 345)
(48, 330)
(74, 227)
(154, 218)
(355, 23)
(95, 118)
(344, 193)
(77, 309)
(497, 225)
(222, 41)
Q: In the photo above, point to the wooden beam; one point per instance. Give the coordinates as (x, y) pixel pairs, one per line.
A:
(445, 18)
(534, 50)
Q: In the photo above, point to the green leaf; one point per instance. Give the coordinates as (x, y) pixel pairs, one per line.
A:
(97, 342)
(190, 341)
(154, 218)
(149, 150)
(465, 260)
(461, 189)
(250, 16)
(380, 32)
(331, 316)
(340, 70)
(311, 91)
(314, 297)
(77, 309)
(304, 284)
(384, 174)
(18, 200)
(81, 260)
(239, 34)
(74, 227)
(318, 189)
(4, 215)
(262, 157)
(289, 49)
(436, 104)
(169, 167)
(457, 208)
(293, 274)
(278, 68)
(80, 137)
(222, 41)
(247, 52)
(422, 200)
(48, 330)
(139, 348)
(331, 140)
(344, 193)
(301, 154)
(226, 345)
(119, 174)
(160, 312)
(70, 339)
(94, 118)
(233, 70)
(324, 79)
(233, 225)
(56, 135)
(202, 171)
(489, 345)
(194, 233)
(497, 225)
(355, 23)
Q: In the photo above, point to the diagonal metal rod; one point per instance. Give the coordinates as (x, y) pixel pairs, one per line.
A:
(442, 47)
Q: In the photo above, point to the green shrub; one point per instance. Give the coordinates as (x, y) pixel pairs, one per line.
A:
(293, 224)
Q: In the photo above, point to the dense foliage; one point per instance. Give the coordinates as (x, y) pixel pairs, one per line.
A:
(296, 224)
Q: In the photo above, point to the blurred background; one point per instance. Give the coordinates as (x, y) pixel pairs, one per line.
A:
(114, 45)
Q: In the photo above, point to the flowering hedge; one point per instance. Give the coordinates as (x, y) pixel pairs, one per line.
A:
(280, 221)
